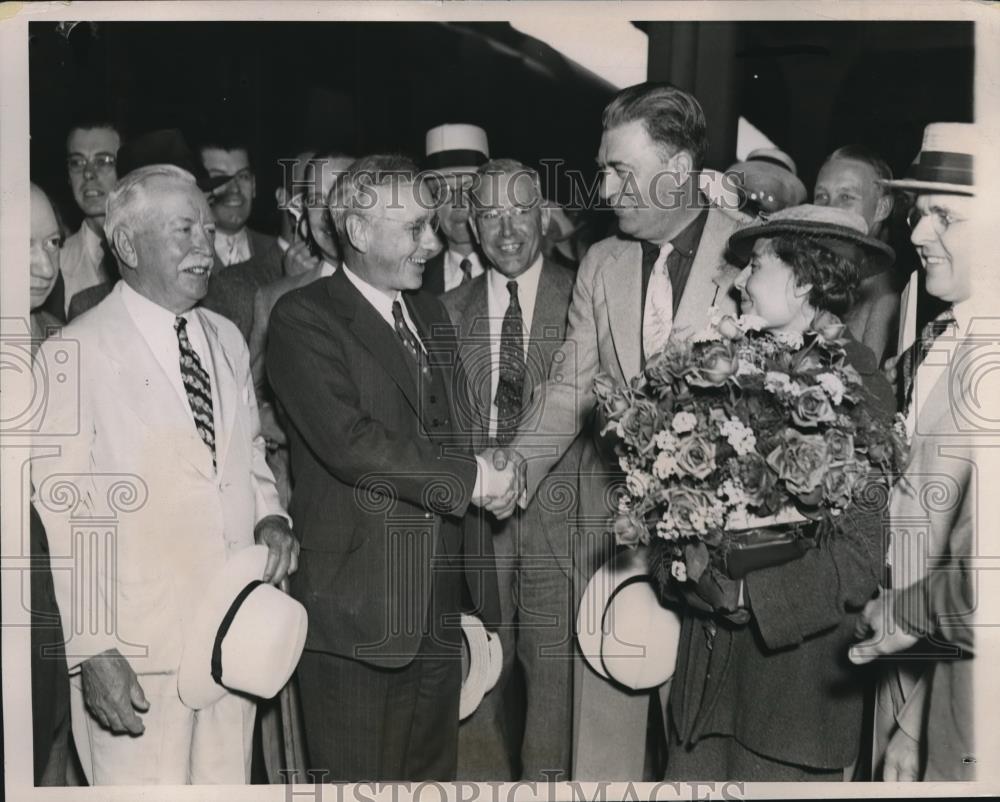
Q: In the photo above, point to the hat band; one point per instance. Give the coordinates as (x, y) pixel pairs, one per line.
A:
(227, 621)
(942, 167)
(769, 160)
(444, 159)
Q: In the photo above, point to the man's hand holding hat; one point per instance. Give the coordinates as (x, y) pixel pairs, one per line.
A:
(282, 548)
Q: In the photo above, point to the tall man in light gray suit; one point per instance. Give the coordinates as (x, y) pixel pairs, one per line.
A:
(658, 278)
(511, 321)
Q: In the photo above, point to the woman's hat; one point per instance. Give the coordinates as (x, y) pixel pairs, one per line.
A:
(840, 230)
(944, 163)
(768, 180)
(623, 631)
(482, 660)
(246, 635)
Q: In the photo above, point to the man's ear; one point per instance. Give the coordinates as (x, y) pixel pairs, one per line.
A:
(546, 217)
(883, 208)
(253, 186)
(281, 198)
(357, 230)
(121, 239)
(681, 165)
(471, 223)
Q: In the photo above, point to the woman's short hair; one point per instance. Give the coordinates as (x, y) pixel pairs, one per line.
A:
(832, 268)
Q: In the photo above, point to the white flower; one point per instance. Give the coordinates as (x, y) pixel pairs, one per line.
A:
(792, 339)
(665, 529)
(751, 323)
(624, 464)
(624, 503)
(684, 422)
(678, 571)
(706, 335)
(832, 385)
(744, 367)
(665, 441)
(777, 382)
(740, 437)
(665, 465)
(733, 493)
(638, 483)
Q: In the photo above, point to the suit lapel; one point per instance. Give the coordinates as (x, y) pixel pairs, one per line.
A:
(223, 374)
(623, 302)
(709, 280)
(145, 388)
(548, 325)
(374, 334)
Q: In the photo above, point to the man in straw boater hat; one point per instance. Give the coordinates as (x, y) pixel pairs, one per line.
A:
(160, 435)
(924, 719)
(455, 151)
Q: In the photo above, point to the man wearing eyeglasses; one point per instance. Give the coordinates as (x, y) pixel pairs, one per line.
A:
(925, 715)
(364, 363)
(511, 322)
(91, 148)
(454, 151)
(244, 259)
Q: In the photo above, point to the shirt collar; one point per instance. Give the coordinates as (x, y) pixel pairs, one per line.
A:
(92, 241)
(526, 282)
(963, 313)
(148, 312)
(374, 296)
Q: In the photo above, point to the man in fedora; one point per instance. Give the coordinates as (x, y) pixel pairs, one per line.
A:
(852, 178)
(925, 717)
(163, 146)
(658, 277)
(516, 311)
(454, 151)
(161, 429)
(768, 181)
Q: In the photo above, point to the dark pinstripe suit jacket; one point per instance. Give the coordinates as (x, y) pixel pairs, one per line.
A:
(380, 487)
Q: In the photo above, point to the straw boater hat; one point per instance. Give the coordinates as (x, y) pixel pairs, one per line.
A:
(456, 148)
(246, 635)
(944, 163)
(482, 660)
(839, 230)
(623, 631)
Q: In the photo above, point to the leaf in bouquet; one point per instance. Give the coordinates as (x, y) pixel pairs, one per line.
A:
(696, 558)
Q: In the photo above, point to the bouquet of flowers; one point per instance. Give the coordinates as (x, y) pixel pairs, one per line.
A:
(739, 429)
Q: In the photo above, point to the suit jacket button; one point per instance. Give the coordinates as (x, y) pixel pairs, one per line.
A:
(434, 399)
(436, 422)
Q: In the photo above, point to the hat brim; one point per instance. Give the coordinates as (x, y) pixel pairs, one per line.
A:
(477, 683)
(880, 256)
(640, 648)
(195, 684)
(914, 185)
(626, 564)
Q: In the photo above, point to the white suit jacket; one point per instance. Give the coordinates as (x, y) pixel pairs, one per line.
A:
(138, 521)
(605, 331)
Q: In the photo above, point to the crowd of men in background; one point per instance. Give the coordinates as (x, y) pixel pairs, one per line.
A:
(310, 324)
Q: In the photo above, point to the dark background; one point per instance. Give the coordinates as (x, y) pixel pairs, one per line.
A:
(370, 87)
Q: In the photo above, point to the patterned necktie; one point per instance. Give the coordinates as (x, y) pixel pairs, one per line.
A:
(912, 357)
(658, 313)
(510, 386)
(466, 267)
(407, 337)
(198, 387)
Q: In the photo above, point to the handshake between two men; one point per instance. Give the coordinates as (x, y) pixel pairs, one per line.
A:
(501, 482)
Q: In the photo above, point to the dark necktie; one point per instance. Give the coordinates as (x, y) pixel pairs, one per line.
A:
(466, 267)
(510, 386)
(407, 337)
(198, 387)
(911, 358)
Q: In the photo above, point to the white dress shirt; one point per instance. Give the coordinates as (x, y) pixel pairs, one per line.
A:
(382, 303)
(497, 301)
(80, 262)
(232, 248)
(453, 268)
(156, 325)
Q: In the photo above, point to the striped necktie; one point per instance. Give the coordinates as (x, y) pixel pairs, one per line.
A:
(408, 338)
(917, 352)
(198, 387)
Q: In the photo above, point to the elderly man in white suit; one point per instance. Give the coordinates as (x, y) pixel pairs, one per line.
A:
(658, 278)
(165, 403)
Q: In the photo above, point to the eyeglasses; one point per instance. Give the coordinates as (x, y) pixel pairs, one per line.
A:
(941, 219)
(101, 162)
(516, 214)
(416, 229)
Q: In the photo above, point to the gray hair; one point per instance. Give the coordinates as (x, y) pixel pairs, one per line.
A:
(127, 199)
(352, 191)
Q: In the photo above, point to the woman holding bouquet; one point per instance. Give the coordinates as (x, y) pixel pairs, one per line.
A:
(762, 689)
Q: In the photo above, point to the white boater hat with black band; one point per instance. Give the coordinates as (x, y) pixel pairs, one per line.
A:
(945, 162)
(456, 148)
(246, 636)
